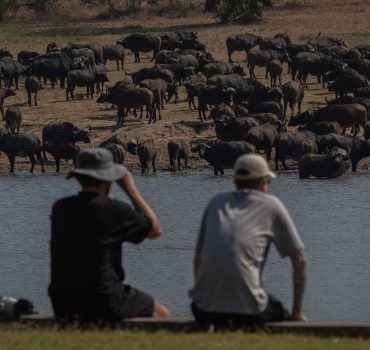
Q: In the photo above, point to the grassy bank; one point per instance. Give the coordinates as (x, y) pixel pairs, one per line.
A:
(13, 339)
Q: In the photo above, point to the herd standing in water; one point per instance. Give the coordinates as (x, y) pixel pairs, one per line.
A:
(248, 116)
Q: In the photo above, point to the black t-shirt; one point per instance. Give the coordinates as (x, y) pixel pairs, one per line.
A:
(86, 247)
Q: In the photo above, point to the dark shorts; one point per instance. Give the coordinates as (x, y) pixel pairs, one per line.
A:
(133, 303)
(275, 312)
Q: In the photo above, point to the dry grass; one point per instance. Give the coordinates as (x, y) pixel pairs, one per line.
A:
(347, 19)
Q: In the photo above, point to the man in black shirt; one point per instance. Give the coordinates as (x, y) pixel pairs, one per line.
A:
(86, 245)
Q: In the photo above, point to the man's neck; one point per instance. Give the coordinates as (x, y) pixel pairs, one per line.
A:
(97, 189)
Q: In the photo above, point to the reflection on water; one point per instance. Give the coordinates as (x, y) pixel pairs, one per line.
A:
(332, 217)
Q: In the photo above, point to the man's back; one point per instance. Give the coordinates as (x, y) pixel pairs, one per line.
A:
(236, 232)
(86, 244)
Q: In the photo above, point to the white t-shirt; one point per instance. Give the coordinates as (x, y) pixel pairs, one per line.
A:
(236, 231)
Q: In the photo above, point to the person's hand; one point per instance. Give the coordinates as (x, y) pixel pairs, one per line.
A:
(298, 317)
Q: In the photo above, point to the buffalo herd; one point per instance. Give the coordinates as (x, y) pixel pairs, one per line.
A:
(248, 116)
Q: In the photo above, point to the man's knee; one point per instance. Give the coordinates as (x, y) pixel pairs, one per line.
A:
(160, 310)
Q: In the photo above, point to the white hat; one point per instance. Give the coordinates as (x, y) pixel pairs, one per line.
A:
(252, 167)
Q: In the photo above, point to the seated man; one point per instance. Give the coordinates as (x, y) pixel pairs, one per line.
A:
(86, 245)
(236, 231)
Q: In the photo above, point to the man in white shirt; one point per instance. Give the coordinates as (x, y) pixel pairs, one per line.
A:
(236, 231)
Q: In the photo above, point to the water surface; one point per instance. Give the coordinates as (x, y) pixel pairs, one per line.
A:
(332, 217)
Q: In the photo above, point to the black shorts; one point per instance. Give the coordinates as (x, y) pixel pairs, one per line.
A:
(131, 303)
(135, 304)
(275, 312)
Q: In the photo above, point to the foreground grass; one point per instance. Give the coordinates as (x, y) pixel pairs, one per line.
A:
(73, 339)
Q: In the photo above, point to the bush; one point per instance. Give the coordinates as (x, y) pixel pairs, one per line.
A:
(5, 6)
(239, 10)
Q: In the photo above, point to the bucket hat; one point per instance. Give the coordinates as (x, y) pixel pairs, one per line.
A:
(252, 167)
(98, 163)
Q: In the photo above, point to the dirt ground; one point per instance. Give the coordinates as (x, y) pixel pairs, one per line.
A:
(344, 19)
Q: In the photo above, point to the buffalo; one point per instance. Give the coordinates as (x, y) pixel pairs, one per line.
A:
(13, 119)
(177, 150)
(333, 164)
(146, 152)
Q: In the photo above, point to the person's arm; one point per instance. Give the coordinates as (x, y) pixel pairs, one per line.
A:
(127, 183)
(299, 279)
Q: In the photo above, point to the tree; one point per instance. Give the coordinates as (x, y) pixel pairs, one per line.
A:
(5, 6)
(239, 10)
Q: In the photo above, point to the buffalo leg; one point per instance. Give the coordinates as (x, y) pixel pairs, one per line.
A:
(292, 108)
(29, 98)
(11, 161)
(285, 108)
(57, 164)
(229, 55)
(117, 63)
(153, 165)
(41, 160)
(2, 109)
(33, 162)
(35, 97)
(267, 73)
(179, 163)
(268, 153)
(276, 162)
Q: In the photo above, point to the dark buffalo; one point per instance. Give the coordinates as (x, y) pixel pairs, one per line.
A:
(25, 57)
(21, 145)
(96, 49)
(141, 43)
(261, 58)
(322, 128)
(126, 99)
(177, 150)
(347, 83)
(152, 73)
(267, 107)
(13, 119)
(346, 115)
(362, 92)
(11, 70)
(320, 42)
(214, 68)
(362, 66)
(233, 80)
(293, 94)
(220, 110)
(223, 154)
(180, 71)
(32, 85)
(294, 145)
(275, 69)
(84, 77)
(241, 42)
(147, 153)
(212, 96)
(4, 93)
(85, 54)
(118, 147)
(230, 129)
(54, 66)
(264, 136)
(162, 87)
(359, 149)
(63, 133)
(114, 53)
(62, 151)
(333, 164)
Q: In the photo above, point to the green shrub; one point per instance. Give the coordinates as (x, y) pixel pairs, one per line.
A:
(239, 10)
(5, 6)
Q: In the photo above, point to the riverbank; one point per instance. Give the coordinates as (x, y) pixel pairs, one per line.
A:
(19, 337)
(339, 18)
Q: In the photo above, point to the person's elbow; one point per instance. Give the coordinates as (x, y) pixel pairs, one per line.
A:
(155, 231)
(299, 260)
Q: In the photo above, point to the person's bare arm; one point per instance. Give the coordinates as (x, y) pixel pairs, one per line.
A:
(127, 183)
(299, 279)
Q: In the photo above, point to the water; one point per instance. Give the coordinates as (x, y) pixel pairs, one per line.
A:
(332, 217)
